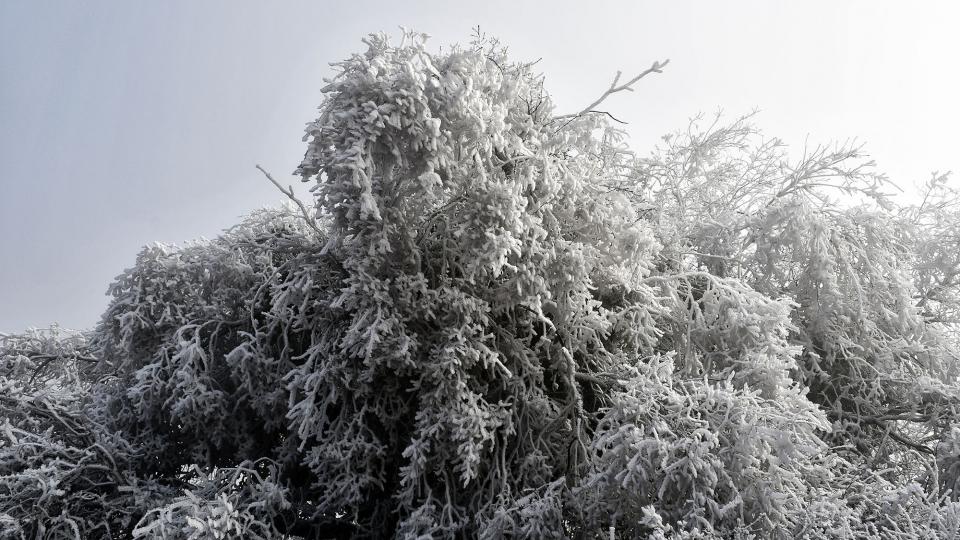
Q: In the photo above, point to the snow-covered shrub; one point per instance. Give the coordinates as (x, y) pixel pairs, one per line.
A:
(501, 323)
(705, 455)
(245, 501)
(61, 474)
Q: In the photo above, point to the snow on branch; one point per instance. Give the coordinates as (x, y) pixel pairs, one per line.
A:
(288, 191)
(657, 67)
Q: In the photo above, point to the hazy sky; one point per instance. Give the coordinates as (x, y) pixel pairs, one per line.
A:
(123, 123)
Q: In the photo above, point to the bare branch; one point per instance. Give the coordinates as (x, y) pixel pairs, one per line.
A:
(288, 191)
(612, 117)
(657, 67)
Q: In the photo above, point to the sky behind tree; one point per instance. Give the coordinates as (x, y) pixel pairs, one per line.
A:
(127, 123)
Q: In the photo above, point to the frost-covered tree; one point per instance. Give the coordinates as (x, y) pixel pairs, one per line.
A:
(499, 322)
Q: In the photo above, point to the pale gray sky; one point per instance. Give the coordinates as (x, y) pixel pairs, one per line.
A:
(123, 123)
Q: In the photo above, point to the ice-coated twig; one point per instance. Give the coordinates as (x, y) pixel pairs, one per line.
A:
(657, 67)
(288, 191)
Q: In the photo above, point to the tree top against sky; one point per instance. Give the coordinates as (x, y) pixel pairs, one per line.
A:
(124, 123)
(502, 322)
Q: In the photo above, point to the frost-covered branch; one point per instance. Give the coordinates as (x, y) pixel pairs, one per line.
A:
(288, 191)
(657, 67)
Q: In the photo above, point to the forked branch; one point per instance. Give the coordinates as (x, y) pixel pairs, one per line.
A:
(657, 67)
(288, 191)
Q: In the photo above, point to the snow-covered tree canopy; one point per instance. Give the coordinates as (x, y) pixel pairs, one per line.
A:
(502, 323)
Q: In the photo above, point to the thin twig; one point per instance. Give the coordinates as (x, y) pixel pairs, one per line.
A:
(289, 193)
(612, 117)
(657, 67)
